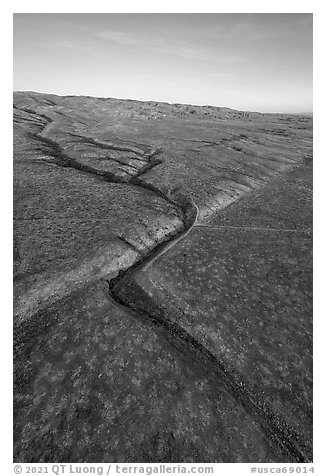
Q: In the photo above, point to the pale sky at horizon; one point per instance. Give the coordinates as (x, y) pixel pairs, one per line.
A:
(260, 62)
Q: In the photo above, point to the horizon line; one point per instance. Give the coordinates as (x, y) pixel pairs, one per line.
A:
(165, 102)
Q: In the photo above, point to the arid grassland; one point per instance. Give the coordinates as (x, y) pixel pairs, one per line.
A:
(162, 282)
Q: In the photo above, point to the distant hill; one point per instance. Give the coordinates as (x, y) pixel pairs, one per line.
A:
(147, 109)
(308, 114)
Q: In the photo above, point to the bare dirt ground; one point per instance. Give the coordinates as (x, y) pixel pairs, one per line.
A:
(163, 282)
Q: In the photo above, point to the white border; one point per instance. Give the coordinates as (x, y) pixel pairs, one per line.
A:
(319, 177)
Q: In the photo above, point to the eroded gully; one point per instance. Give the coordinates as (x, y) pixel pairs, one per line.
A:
(274, 427)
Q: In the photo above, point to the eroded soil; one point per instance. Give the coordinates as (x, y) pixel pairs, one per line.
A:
(162, 272)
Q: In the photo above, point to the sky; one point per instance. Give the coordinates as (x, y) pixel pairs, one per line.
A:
(257, 62)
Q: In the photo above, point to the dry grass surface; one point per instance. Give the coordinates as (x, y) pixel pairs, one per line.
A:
(215, 364)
